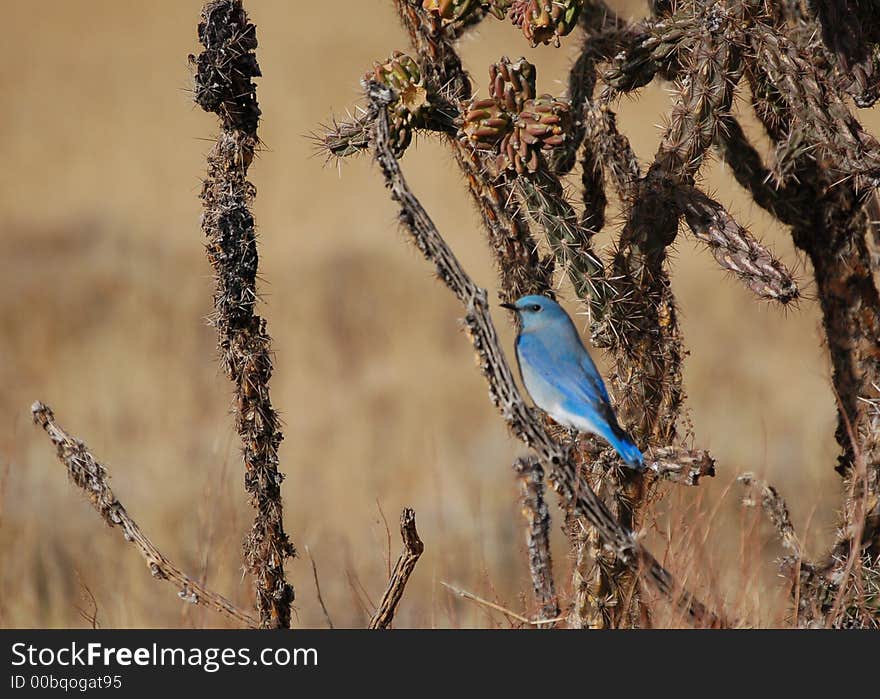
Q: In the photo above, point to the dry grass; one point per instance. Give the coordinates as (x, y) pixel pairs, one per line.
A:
(106, 289)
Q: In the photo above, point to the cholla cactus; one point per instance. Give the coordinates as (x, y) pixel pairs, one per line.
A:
(513, 120)
(543, 21)
(802, 65)
(402, 74)
(450, 10)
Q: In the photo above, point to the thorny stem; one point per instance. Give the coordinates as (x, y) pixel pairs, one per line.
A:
(534, 507)
(224, 85)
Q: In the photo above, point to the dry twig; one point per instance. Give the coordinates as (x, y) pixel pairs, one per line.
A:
(91, 477)
(403, 569)
(498, 608)
(318, 589)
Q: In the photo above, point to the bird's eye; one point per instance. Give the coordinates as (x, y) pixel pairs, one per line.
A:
(536, 308)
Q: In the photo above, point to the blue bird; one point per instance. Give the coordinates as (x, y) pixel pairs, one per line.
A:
(561, 378)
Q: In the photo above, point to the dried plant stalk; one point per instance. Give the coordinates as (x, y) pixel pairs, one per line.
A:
(819, 590)
(224, 86)
(403, 569)
(588, 581)
(92, 478)
(682, 466)
(534, 507)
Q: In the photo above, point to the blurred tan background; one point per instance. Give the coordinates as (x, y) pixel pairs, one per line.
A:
(105, 291)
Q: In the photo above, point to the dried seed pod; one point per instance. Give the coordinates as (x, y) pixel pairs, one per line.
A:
(543, 21)
(402, 73)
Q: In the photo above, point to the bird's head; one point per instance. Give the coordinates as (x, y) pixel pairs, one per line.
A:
(537, 311)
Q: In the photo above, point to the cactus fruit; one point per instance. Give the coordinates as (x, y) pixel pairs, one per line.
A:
(513, 121)
(512, 83)
(544, 120)
(543, 21)
(402, 74)
(487, 122)
(541, 125)
(450, 10)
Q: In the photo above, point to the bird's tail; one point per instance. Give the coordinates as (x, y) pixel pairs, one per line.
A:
(626, 447)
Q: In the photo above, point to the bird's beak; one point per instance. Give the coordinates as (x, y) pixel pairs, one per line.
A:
(508, 306)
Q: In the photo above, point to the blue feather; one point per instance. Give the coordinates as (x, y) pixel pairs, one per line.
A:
(561, 377)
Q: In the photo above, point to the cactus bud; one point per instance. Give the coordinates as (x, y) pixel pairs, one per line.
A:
(512, 83)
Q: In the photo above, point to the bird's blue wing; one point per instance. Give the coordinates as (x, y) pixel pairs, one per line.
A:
(593, 377)
(571, 376)
(571, 380)
(595, 407)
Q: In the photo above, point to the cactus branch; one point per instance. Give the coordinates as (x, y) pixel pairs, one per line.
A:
(610, 149)
(521, 268)
(433, 40)
(604, 36)
(542, 197)
(851, 32)
(749, 170)
(734, 247)
(534, 507)
(818, 110)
